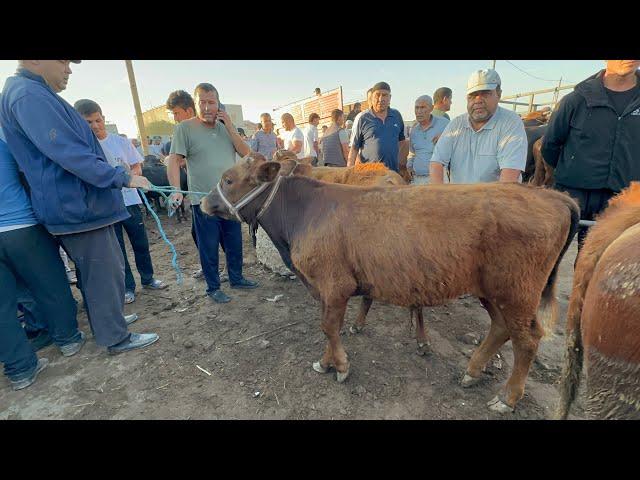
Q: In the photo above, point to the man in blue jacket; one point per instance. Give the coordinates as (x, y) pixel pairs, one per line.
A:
(593, 139)
(29, 259)
(75, 193)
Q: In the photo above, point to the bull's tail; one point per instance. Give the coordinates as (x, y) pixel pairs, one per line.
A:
(548, 308)
(572, 368)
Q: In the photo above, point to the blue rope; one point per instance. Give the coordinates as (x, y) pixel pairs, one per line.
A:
(163, 191)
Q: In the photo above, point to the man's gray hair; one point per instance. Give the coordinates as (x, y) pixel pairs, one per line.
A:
(424, 98)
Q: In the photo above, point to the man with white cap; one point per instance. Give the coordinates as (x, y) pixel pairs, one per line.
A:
(486, 144)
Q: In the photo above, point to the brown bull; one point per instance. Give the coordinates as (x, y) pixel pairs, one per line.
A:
(604, 310)
(363, 174)
(413, 247)
(543, 174)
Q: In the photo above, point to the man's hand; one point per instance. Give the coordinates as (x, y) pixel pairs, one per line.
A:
(138, 181)
(224, 116)
(175, 200)
(411, 171)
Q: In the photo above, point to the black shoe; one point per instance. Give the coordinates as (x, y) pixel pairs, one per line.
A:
(245, 284)
(219, 296)
(40, 339)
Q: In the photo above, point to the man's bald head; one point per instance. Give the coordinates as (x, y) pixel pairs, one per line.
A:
(55, 72)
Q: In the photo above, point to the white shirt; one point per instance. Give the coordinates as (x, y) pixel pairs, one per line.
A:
(155, 150)
(120, 151)
(289, 136)
(310, 136)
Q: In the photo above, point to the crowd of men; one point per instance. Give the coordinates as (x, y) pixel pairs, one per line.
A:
(66, 185)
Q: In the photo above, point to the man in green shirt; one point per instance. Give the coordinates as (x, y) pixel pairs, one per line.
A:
(442, 102)
(208, 143)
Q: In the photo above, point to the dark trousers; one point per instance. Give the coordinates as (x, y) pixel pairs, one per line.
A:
(212, 232)
(100, 271)
(591, 201)
(137, 233)
(29, 259)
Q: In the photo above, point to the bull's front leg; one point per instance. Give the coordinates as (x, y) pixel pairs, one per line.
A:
(334, 354)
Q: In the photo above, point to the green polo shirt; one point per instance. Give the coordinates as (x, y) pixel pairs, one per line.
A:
(209, 153)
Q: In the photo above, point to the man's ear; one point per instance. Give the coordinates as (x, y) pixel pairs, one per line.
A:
(267, 172)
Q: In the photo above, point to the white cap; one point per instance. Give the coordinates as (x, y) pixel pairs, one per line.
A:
(486, 79)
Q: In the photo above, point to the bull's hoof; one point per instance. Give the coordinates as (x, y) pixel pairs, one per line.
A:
(469, 381)
(497, 405)
(355, 329)
(319, 368)
(341, 377)
(423, 349)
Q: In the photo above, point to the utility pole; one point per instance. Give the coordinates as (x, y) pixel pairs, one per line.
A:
(136, 105)
(493, 66)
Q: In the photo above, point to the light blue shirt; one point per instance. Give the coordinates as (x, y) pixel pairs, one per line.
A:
(475, 157)
(421, 145)
(15, 206)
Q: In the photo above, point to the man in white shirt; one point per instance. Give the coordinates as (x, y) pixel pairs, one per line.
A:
(156, 147)
(120, 151)
(486, 144)
(292, 136)
(311, 138)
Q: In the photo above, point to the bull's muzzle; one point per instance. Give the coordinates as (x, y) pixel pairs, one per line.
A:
(212, 204)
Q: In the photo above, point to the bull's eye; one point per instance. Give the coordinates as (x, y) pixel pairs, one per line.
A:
(228, 181)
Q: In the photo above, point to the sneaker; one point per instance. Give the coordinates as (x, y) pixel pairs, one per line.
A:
(39, 340)
(135, 340)
(129, 297)
(219, 296)
(71, 277)
(131, 318)
(156, 285)
(198, 274)
(25, 382)
(71, 349)
(245, 284)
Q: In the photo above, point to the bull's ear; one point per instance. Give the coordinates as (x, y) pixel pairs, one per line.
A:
(303, 170)
(267, 172)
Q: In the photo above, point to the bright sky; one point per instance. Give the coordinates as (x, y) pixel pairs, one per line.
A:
(261, 85)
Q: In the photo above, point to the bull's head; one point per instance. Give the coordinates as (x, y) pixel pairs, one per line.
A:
(234, 198)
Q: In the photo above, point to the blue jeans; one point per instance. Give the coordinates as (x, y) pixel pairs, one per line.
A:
(29, 260)
(137, 233)
(212, 232)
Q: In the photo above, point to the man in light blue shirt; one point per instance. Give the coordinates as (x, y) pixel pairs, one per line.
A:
(423, 138)
(486, 144)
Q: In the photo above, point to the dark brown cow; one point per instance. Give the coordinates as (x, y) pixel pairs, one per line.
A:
(414, 246)
(603, 328)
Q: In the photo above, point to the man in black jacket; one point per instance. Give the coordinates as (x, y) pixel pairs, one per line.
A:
(593, 139)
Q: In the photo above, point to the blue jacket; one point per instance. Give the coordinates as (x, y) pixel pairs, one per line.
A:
(73, 187)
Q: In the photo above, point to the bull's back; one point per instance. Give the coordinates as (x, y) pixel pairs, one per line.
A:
(611, 330)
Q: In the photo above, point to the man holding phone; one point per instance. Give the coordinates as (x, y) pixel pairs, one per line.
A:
(208, 143)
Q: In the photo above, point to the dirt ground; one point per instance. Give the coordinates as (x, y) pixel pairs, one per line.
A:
(270, 376)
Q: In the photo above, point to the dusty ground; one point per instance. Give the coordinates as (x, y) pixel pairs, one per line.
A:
(270, 376)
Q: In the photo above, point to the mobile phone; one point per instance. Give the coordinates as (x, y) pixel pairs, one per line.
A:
(222, 108)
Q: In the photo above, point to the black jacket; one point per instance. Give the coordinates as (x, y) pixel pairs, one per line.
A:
(588, 144)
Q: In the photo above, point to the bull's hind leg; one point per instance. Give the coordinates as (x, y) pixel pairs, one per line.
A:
(424, 346)
(334, 354)
(497, 336)
(526, 333)
(365, 305)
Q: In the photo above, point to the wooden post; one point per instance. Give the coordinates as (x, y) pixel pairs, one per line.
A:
(556, 94)
(136, 105)
(531, 102)
(514, 103)
(493, 65)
